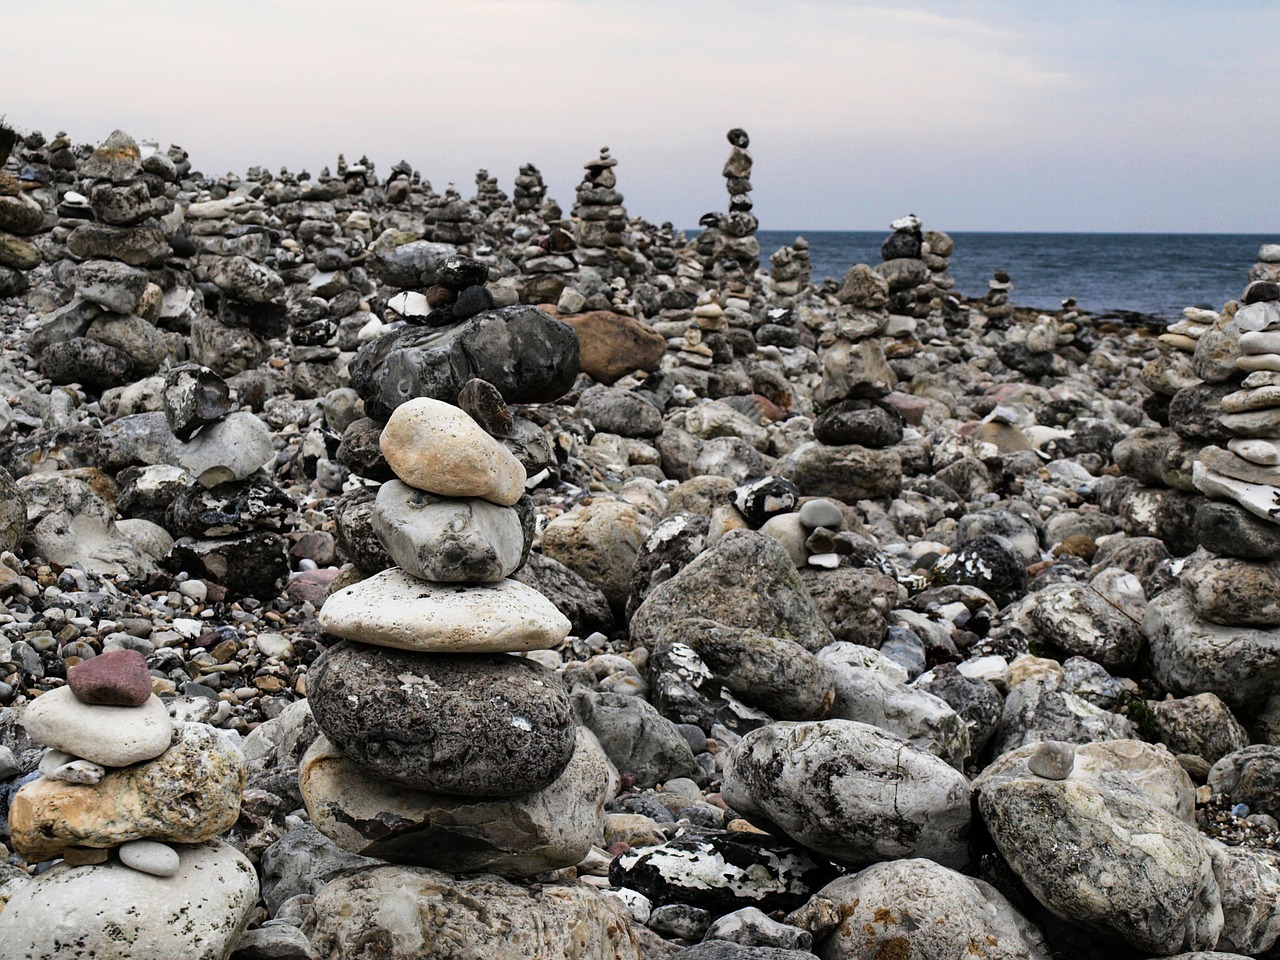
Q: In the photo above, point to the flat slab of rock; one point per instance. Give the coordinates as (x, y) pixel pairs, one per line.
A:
(189, 794)
(393, 609)
(515, 837)
(111, 736)
(412, 912)
(111, 912)
(473, 725)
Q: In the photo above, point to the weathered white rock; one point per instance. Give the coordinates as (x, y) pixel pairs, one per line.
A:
(919, 909)
(851, 791)
(231, 449)
(435, 446)
(57, 765)
(413, 912)
(111, 736)
(111, 912)
(393, 609)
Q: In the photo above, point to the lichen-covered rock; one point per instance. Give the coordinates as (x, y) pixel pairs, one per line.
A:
(851, 791)
(847, 473)
(745, 579)
(1122, 818)
(1074, 618)
(111, 912)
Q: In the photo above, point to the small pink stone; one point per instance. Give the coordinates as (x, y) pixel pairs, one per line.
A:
(117, 678)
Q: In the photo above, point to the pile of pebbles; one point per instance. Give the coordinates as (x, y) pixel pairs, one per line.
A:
(556, 586)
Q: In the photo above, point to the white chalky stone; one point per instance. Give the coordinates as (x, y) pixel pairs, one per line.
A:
(150, 856)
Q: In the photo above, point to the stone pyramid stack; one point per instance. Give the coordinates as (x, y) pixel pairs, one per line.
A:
(120, 777)
(739, 227)
(600, 217)
(441, 747)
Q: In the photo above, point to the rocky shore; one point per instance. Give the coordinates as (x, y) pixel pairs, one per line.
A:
(389, 573)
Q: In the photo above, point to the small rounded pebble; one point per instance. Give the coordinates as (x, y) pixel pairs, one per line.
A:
(821, 512)
(1052, 760)
(149, 856)
(1240, 810)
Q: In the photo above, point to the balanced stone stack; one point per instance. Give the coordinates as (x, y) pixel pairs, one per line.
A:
(449, 218)
(600, 217)
(131, 802)
(995, 305)
(1267, 269)
(489, 196)
(241, 285)
(529, 190)
(789, 270)
(21, 217)
(108, 335)
(739, 242)
(904, 267)
(441, 746)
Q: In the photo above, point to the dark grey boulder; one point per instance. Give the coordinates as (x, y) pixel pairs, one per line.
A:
(469, 725)
(527, 355)
(638, 740)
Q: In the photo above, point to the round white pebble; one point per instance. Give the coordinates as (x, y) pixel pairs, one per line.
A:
(149, 856)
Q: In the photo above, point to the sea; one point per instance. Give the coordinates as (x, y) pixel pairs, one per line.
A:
(1148, 273)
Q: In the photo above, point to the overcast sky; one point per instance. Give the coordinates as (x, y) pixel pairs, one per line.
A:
(1125, 115)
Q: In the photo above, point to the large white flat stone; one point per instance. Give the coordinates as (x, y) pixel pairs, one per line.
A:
(111, 736)
(393, 609)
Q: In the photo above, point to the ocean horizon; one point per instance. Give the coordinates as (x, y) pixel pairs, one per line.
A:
(1158, 274)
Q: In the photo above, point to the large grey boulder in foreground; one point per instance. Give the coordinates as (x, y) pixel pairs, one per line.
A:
(855, 793)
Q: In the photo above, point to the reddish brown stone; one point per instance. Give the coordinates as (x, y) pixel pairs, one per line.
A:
(613, 345)
(310, 585)
(117, 678)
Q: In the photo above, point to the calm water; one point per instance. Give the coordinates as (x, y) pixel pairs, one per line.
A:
(1150, 273)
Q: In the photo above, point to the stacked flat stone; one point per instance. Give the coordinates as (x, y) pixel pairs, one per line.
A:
(529, 190)
(449, 218)
(132, 803)
(107, 335)
(789, 270)
(489, 196)
(600, 218)
(995, 305)
(442, 747)
(236, 265)
(738, 240)
(1267, 269)
(21, 218)
(229, 516)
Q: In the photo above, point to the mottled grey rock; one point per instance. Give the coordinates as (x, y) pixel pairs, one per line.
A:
(1190, 655)
(872, 689)
(852, 791)
(776, 675)
(1250, 775)
(194, 397)
(615, 410)
(1231, 530)
(1076, 619)
(302, 862)
(599, 541)
(854, 602)
(581, 601)
(136, 246)
(638, 740)
(253, 564)
(472, 725)
(242, 279)
(230, 508)
(1250, 883)
(13, 513)
(1140, 870)
(860, 421)
(91, 363)
(447, 539)
(1038, 709)
(408, 911)
(751, 927)
(226, 350)
(144, 345)
(1233, 592)
(117, 159)
(116, 286)
(745, 579)
(920, 910)
(1201, 725)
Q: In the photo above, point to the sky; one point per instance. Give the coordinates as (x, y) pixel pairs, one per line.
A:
(1125, 116)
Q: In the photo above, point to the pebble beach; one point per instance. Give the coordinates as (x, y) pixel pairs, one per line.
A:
(389, 571)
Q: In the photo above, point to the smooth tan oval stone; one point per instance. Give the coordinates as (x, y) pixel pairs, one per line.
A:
(111, 736)
(189, 794)
(393, 609)
(435, 446)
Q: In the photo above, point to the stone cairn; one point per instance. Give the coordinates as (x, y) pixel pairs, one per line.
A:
(995, 305)
(442, 747)
(600, 218)
(529, 191)
(108, 334)
(21, 217)
(915, 264)
(789, 273)
(131, 802)
(1216, 384)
